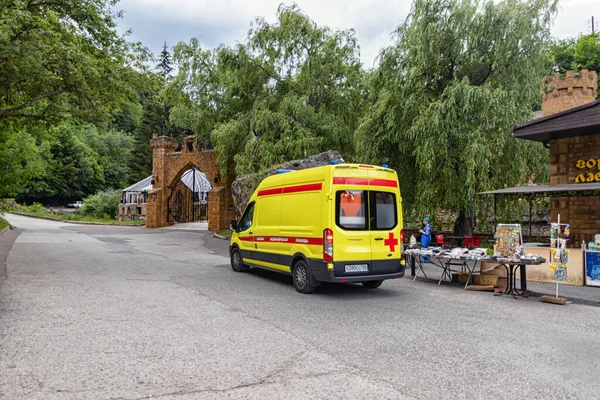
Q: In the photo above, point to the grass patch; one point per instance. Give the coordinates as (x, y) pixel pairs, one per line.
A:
(78, 218)
(226, 233)
(3, 223)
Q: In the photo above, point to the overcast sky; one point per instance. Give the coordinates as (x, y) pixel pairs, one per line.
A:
(227, 21)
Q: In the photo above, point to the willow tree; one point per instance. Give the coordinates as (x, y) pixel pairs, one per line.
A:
(291, 90)
(445, 96)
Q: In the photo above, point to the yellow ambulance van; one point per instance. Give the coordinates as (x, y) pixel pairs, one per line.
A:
(336, 223)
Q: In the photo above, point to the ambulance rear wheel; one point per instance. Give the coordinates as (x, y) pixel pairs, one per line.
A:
(236, 261)
(301, 278)
(372, 284)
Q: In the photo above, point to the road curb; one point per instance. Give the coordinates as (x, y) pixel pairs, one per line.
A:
(3, 231)
(71, 222)
(216, 235)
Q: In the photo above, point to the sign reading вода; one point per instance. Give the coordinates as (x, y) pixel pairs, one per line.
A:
(587, 177)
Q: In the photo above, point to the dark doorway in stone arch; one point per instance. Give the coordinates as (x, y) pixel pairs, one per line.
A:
(188, 198)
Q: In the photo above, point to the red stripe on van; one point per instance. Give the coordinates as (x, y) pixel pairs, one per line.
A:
(340, 180)
(268, 192)
(291, 189)
(383, 182)
(284, 239)
(303, 188)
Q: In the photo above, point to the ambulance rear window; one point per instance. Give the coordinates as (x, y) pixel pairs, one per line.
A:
(366, 210)
(351, 209)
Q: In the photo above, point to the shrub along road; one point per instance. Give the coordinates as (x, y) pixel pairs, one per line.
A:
(130, 313)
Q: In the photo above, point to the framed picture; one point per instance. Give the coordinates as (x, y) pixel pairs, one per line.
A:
(508, 238)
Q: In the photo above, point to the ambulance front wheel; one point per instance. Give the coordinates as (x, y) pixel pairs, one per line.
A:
(236, 261)
(302, 279)
(372, 284)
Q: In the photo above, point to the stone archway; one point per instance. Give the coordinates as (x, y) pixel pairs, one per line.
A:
(168, 165)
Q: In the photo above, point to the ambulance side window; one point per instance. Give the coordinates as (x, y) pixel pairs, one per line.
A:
(246, 220)
(351, 209)
(383, 211)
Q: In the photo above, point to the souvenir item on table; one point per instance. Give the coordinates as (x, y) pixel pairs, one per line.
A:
(457, 252)
(533, 259)
(559, 255)
(478, 254)
(413, 240)
(508, 239)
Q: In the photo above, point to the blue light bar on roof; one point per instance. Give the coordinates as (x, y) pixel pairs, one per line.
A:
(283, 171)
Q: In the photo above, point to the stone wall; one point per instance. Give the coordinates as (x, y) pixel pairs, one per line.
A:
(131, 211)
(569, 91)
(582, 213)
(565, 154)
(168, 165)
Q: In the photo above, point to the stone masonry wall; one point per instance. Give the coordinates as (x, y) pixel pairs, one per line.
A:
(167, 167)
(569, 91)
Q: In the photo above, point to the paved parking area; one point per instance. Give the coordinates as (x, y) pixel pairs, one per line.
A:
(91, 312)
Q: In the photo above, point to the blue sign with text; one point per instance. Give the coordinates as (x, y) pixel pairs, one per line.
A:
(592, 268)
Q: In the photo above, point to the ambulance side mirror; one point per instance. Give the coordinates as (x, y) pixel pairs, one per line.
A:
(234, 225)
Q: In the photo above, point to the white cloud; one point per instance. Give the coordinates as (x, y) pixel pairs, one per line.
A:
(226, 22)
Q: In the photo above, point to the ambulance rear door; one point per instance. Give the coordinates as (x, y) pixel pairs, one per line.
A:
(351, 236)
(384, 222)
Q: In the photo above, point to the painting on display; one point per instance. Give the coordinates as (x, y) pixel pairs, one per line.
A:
(508, 239)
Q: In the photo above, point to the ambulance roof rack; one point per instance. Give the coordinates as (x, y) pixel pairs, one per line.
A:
(283, 171)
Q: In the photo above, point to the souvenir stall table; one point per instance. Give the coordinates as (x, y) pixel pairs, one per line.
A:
(508, 254)
(457, 260)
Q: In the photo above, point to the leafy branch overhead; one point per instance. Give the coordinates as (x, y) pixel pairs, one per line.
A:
(292, 89)
(63, 58)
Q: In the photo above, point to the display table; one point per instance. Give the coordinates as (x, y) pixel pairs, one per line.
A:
(473, 266)
(446, 264)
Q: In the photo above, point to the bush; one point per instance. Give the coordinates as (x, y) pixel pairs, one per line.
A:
(35, 208)
(102, 205)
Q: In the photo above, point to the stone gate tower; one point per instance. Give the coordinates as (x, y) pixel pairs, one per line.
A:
(561, 93)
(169, 164)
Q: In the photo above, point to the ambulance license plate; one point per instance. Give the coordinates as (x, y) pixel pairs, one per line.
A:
(357, 268)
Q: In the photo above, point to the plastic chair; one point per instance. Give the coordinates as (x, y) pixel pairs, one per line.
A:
(476, 242)
(468, 242)
(439, 240)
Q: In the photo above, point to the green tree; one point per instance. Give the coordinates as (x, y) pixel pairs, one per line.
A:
(71, 168)
(165, 65)
(577, 53)
(63, 58)
(112, 151)
(20, 158)
(446, 95)
(293, 89)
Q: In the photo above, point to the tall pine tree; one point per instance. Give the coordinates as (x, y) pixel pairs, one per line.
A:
(164, 66)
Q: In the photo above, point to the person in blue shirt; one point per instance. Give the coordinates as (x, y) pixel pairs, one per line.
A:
(425, 233)
(425, 236)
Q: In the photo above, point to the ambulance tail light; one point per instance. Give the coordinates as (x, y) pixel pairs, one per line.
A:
(402, 243)
(328, 245)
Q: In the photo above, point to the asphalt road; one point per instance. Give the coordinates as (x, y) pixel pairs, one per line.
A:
(93, 312)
